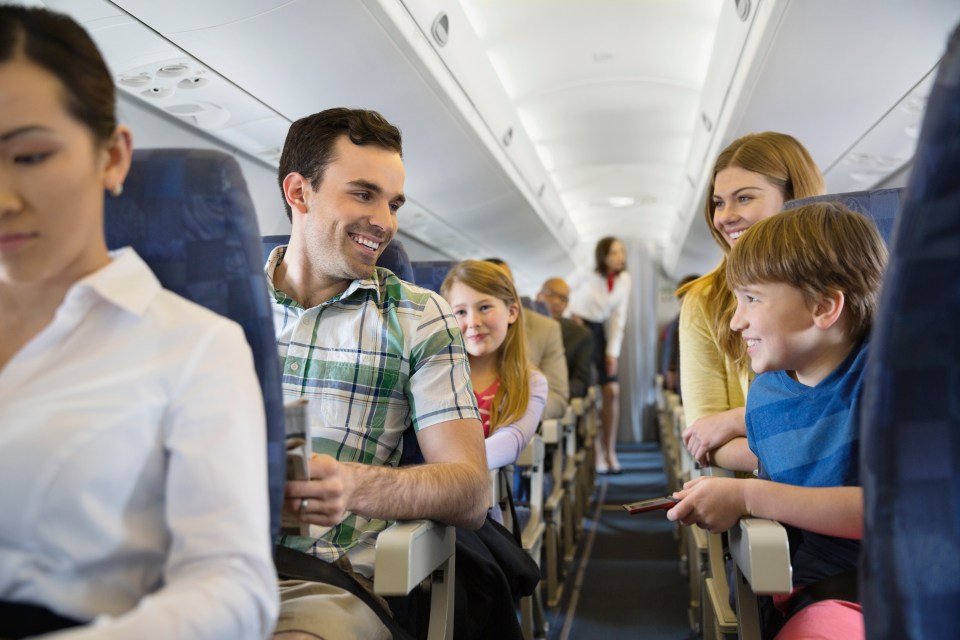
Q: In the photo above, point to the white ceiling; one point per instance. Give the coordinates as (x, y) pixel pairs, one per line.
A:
(608, 91)
(542, 125)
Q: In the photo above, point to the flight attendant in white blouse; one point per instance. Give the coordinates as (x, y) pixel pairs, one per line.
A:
(599, 298)
(132, 437)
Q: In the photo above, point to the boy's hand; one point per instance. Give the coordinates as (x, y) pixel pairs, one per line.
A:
(715, 504)
(324, 499)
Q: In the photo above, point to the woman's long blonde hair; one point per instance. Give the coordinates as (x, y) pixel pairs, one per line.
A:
(787, 165)
(513, 394)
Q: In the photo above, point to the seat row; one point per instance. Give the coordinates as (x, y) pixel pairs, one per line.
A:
(555, 481)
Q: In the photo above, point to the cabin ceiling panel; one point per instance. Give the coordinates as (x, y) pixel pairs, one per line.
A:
(859, 61)
(616, 175)
(606, 103)
(637, 107)
(307, 55)
(169, 17)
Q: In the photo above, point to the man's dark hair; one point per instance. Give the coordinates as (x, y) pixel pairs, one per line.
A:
(310, 141)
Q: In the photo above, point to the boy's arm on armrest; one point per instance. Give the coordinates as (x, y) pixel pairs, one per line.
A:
(735, 455)
(832, 511)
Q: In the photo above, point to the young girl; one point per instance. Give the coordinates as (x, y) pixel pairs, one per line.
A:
(510, 393)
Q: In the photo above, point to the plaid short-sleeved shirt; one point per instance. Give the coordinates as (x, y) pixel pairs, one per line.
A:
(380, 357)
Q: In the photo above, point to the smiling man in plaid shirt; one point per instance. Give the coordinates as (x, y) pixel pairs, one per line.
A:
(375, 355)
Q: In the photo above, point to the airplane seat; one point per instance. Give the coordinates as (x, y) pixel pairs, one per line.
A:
(881, 205)
(910, 462)
(395, 258)
(555, 498)
(570, 481)
(759, 547)
(429, 274)
(188, 213)
(532, 529)
(269, 243)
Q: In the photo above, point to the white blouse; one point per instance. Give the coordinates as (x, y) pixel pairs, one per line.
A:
(590, 299)
(133, 467)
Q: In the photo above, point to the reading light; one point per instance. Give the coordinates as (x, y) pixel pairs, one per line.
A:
(139, 80)
(173, 70)
(194, 82)
(158, 93)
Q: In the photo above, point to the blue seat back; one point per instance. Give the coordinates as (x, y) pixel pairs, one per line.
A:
(188, 214)
(395, 258)
(269, 243)
(429, 274)
(910, 462)
(882, 205)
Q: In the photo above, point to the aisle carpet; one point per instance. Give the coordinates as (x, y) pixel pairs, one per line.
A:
(631, 583)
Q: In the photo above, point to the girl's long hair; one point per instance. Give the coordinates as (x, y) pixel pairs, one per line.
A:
(513, 394)
(787, 165)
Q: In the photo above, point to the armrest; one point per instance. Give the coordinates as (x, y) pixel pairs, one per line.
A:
(551, 430)
(495, 494)
(408, 553)
(577, 405)
(716, 472)
(762, 552)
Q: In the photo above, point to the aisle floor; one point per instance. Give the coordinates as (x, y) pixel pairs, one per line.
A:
(625, 580)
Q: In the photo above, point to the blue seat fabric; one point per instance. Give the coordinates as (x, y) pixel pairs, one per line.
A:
(882, 205)
(910, 462)
(429, 274)
(269, 243)
(188, 214)
(395, 258)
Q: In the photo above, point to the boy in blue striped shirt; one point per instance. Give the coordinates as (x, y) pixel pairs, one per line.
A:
(806, 283)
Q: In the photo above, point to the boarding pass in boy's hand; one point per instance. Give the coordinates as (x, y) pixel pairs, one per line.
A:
(653, 504)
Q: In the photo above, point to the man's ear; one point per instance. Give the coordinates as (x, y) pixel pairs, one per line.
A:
(828, 308)
(295, 188)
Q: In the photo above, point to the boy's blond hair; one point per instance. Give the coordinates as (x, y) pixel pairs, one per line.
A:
(818, 248)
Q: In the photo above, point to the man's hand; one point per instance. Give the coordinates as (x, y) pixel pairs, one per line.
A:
(711, 432)
(324, 498)
(715, 504)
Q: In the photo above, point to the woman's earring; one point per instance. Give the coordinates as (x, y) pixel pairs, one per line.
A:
(117, 190)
